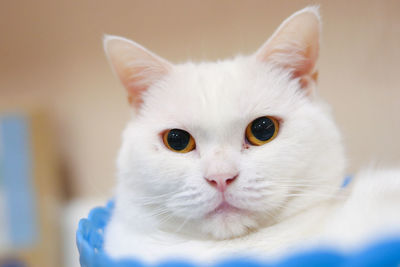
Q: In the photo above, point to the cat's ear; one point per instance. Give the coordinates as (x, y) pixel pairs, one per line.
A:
(136, 67)
(295, 46)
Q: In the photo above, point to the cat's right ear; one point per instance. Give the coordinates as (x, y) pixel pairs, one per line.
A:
(135, 66)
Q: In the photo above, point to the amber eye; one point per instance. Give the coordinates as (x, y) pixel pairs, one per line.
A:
(262, 130)
(178, 140)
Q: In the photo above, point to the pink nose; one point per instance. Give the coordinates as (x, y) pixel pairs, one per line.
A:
(221, 181)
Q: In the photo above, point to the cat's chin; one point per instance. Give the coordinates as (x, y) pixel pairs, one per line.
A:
(227, 221)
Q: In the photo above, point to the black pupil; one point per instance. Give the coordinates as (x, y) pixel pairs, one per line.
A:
(263, 128)
(178, 139)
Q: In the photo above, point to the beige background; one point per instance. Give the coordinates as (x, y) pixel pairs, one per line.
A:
(51, 58)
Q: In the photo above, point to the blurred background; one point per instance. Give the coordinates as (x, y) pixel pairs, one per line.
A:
(62, 110)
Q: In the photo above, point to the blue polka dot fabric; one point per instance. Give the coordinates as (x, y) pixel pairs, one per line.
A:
(89, 238)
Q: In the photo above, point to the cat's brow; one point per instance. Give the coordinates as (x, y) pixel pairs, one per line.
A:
(218, 129)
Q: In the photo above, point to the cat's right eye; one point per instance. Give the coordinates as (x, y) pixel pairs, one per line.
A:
(178, 140)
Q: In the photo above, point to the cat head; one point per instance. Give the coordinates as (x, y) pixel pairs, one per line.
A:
(224, 148)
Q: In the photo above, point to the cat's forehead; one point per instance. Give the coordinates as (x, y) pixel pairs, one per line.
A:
(222, 93)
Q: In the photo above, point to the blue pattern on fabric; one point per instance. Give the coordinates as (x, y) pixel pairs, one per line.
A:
(89, 238)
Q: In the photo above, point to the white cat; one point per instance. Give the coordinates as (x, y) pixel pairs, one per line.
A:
(238, 157)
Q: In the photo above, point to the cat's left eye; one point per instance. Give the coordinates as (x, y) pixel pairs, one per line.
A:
(178, 140)
(262, 130)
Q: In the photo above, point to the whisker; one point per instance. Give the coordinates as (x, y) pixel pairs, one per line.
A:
(182, 225)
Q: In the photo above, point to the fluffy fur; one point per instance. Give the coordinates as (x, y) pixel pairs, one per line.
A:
(287, 191)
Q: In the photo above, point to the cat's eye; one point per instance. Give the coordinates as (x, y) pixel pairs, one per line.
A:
(178, 140)
(262, 130)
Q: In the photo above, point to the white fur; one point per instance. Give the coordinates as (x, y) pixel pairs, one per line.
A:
(288, 191)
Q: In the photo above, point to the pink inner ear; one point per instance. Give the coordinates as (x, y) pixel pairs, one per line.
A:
(135, 97)
(302, 67)
(137, 79)
(136, 67)
(295, 44)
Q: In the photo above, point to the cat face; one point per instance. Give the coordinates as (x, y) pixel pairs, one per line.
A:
(225, 186)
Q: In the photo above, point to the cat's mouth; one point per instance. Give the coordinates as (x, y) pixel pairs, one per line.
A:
(223, 208)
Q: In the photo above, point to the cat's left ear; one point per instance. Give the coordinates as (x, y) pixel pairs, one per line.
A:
(295, 46)
(136, 67)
